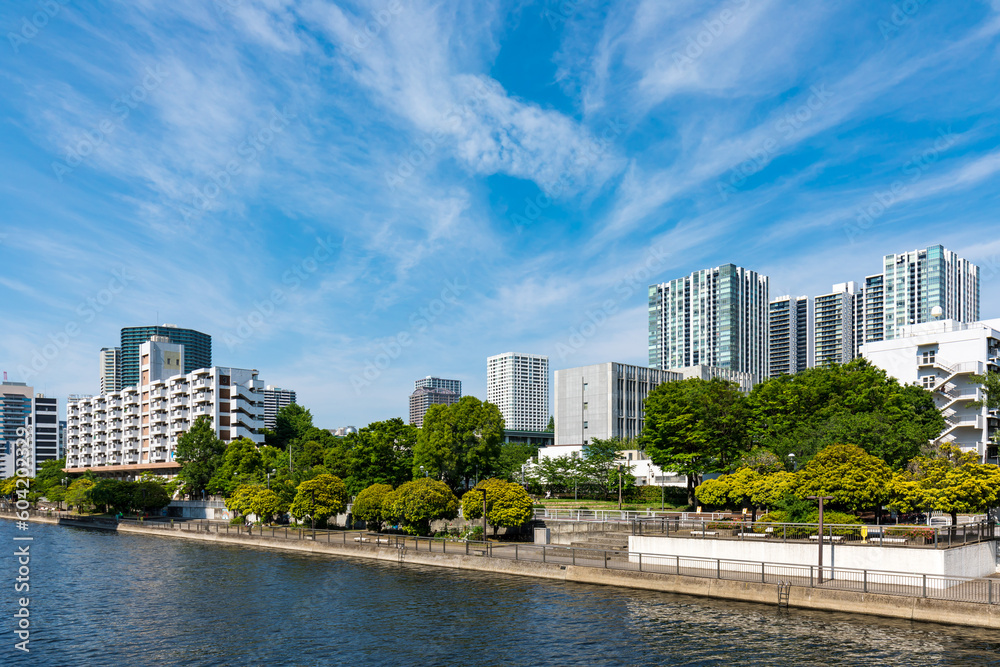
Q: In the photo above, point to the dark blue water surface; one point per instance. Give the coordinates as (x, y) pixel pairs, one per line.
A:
(108, 599)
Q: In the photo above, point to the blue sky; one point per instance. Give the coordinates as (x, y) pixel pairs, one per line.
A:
(316, 184)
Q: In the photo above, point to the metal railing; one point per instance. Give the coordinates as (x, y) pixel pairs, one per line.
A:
(959, 589)
(542, 514)
(933, 537)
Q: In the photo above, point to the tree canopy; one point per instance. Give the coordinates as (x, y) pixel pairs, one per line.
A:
(507, 504)
(854, 402)
(200, 454)
(380, 453)
(951, 481)
(257, 500)
(695, 426)
(856, 479)
(416, 503)
(459, 441)
(368, 506)
(319, 498)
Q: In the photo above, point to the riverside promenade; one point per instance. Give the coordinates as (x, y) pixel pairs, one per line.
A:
(955, 600)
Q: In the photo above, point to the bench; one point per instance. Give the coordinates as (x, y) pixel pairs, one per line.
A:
(704, 532)
(834, 538)
(889, 540)
(381, 540)
(752, 535)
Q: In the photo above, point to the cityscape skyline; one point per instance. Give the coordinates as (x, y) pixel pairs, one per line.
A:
(346, 213)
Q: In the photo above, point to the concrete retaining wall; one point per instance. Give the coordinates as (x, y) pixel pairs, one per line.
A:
(974, 560)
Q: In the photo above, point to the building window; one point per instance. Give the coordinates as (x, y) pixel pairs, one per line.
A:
(585, 405)
(928, 357)
(584, 424)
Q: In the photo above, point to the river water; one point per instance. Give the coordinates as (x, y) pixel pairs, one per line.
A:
(107, 599)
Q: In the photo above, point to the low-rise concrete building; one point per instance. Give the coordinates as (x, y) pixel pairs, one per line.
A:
(943, 356)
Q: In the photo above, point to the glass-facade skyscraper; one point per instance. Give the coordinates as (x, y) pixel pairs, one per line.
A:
(920, 286)
(197, 349)
(714, 317)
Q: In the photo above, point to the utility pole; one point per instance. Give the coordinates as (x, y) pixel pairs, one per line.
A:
(820, 538)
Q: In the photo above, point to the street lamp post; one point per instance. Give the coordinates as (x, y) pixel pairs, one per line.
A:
(820, 538)
(312, 510)
(64, 482)
(423, 470)
(619, 488)
(791, 459)
(269, 473)
(484, 514)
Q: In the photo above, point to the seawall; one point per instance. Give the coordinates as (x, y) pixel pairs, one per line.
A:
(892, 606)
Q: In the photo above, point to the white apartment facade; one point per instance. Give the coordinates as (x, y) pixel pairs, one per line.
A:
(275, 398)
(942, 356)
(125, 433)
(111, 374)
(838, 324)
(788, 335)
(518, 384)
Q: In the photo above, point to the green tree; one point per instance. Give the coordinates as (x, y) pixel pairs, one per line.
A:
(507, 504)
(319, 498)
(149, 496)
(200, 454)
(416, 503)
(78, 494)
(602, 458)
(514, 456)
(772, 488)
(551, 427)
(380, 453)
(242, 463)
(257, 500)
(50, 474)
(459, 441)
(695, 426)
(113, 495)
(762, 461)
(854, 402)
(368, 506)
(713, 492)
(733, 490)
(856, 480)
(291, 423)
(951, 481)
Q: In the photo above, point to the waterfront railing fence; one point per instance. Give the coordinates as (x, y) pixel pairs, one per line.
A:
(959, 589)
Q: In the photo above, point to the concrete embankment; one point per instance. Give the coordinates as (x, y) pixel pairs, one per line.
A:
(912, 608)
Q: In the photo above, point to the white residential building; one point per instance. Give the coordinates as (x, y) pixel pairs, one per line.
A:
(127, 432)
(275, 398)
(715, 317)
(788, 335)
(111, 373)
(837, 324)
(518, 384)
(943, 356)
